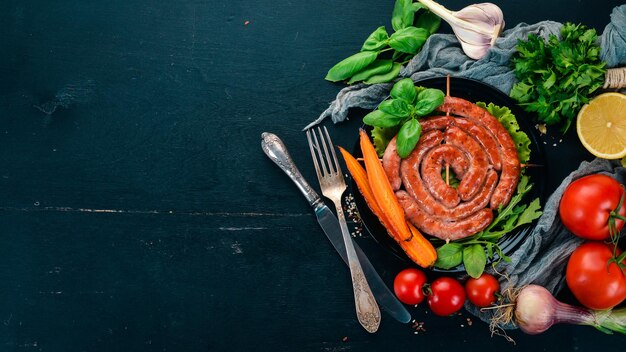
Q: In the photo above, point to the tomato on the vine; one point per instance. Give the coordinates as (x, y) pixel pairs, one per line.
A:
(482, 291)
(408, 286)
(446, 296)
(587, 205)
(593, 281)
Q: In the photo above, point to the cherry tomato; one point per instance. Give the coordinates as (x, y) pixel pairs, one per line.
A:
(446, 296)
(593, 282)
(587, 203)
(482, 291)
(408, 286)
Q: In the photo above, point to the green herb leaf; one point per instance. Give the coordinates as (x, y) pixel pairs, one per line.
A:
(530, 213)
(377, 40)
(404, 89)
(428, 21)
(474, 260)
(397, 107)
(449, 255)
(556, 78)
(403, 14)
(428, 100)
(385, 77)
(381, 138)
(408, 136)
(347, 67)
(380, 118)
(377, 67)
(408, 40)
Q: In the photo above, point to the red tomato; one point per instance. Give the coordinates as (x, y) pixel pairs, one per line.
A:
(408, 286)
(482, 291)
(587, 203)
(595, 284)
(446, 296)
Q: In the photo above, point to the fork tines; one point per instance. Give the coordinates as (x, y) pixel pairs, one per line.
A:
(328, 166)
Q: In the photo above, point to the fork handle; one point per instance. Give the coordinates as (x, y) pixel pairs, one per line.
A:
(275, 149)
(367, 310)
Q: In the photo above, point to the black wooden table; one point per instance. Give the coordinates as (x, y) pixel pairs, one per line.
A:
(137, 211)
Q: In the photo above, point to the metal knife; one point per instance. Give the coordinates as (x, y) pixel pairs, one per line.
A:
(277, 152)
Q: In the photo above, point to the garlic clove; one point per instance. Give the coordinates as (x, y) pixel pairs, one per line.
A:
(476, 26)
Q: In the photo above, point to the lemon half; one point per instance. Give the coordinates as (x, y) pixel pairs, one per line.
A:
(601, 126)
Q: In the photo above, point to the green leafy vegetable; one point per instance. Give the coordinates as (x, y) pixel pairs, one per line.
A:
(385, 77)
(428, 21)
(474, 260)
(392, 49)
(408, 136)
(351, 65)
(377, 40)
(449, 255)
(381, 137)
(378, 67)
(408, 40)
(557, 78)
(403, 14)
(407, 104)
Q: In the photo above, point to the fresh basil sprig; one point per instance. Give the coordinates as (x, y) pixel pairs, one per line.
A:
(387, 52)
(407, 104)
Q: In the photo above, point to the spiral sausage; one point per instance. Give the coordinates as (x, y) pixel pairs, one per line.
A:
(483, 157)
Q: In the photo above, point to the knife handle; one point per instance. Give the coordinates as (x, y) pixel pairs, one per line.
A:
(275, 149)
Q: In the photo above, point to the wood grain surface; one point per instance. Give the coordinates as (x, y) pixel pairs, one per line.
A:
(137, 210)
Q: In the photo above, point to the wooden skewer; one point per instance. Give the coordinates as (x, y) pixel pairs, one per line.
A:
(448, 91)
(447, 174)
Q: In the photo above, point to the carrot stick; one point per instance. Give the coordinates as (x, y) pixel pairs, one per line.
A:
(419, 249)
(381, 189)
(414, 244)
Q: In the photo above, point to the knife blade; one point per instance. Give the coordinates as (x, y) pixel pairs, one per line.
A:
(275, 149)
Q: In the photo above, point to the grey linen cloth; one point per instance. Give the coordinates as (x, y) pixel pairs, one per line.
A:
(542, 257)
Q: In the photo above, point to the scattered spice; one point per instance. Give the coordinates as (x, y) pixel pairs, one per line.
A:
(344, 339)
(469, 322)
(353, 214)
(246, 23)
(418, 326)
(541, 127)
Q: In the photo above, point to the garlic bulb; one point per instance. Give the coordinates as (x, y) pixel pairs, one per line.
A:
(476, 26)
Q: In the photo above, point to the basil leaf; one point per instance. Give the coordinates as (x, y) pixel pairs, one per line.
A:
(428, 100)
(417, 6)
(351, 65)
(375, 68)
(404, 89)
(408, 136)
(378, 118)
(386, 77)
(474, 260)
(408, 40)
(449, 255)
(397, 107)
(377, 40)
(428, 21)
(402, 15)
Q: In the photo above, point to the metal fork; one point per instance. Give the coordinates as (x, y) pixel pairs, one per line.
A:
(333, 185)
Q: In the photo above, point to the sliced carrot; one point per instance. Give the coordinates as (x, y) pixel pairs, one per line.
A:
(388, 209)
(360, 178)
(419, 249)
(382, 191)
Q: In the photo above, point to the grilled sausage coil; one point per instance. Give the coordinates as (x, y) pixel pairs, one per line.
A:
(482, 155)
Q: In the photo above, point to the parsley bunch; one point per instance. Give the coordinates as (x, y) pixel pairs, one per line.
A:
(557, 78)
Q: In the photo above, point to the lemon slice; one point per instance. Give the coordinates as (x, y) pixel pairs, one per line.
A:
(601, 126)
